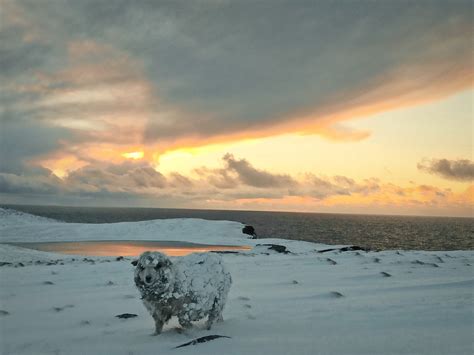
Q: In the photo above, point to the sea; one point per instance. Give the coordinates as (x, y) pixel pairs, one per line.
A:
(376, 232)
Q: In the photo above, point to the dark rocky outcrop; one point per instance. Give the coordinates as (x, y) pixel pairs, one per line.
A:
(250, 230)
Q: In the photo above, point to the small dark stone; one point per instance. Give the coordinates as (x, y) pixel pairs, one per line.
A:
(202, 340)
(335, 294)
(126, 315)
(385, 274)
(250, 230)
(110, 283)
(4, 313)
(377, 260)
(3, 263)
(48, 283)
(278, 248)
(349, 248)
(294, 282)
(119, 258)
(330, 261)
(134, 262)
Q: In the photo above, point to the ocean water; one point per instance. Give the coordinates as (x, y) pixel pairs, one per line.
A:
(376, 232)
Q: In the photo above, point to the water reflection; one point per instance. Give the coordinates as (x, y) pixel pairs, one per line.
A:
(127, 248)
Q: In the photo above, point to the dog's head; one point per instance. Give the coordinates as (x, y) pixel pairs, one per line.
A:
(153, 272)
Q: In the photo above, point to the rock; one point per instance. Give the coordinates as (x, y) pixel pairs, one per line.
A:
(330, 261)
(385, 274)
(4, 313)
(48, 283)
(126, 315)
(278, 248)
(250, 230)
(3, 263)
(202, 340)
(119, 258)
(350, 248)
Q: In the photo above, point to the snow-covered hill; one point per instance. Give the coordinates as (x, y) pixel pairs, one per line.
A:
(304, 302)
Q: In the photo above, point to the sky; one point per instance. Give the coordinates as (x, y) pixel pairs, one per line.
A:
(311, 106)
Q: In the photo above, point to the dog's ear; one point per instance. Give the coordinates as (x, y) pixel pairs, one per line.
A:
(134, 262)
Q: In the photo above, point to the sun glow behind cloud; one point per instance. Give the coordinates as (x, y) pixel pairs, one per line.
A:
(133, 155)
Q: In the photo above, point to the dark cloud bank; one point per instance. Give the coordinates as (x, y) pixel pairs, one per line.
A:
(458, 170)
(224, 67)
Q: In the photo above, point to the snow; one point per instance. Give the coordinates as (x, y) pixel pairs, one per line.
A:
(299, 303)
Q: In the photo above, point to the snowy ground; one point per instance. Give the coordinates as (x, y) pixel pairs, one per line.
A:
(300, 303)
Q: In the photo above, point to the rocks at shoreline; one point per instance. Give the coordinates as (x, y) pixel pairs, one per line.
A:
(250, 230)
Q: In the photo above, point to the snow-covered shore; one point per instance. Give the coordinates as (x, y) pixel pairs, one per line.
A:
(305, 302)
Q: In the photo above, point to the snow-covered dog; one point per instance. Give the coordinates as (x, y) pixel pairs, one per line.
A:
(189, 287)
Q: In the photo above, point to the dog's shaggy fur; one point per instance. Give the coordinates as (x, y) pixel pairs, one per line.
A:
(190, 287)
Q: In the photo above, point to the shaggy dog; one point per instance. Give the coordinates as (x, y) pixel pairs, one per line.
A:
(190, 287)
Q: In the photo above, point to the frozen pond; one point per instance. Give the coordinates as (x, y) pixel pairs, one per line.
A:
(126, 247)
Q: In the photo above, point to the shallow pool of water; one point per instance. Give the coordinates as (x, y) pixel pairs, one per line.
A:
(127, 247)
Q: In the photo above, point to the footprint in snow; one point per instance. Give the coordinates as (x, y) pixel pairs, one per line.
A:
(335, 294)
(60, 309)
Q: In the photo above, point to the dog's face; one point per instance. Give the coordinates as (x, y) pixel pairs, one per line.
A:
(153, 270)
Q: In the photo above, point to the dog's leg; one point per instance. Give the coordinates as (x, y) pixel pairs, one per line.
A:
(158, 323)
(215, 314)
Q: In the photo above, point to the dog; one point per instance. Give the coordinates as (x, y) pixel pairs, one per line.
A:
(191, 287)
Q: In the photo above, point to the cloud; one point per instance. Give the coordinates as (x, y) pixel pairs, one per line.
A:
(458, 170)
(235, 184)
(108, 75)
(248, 175)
